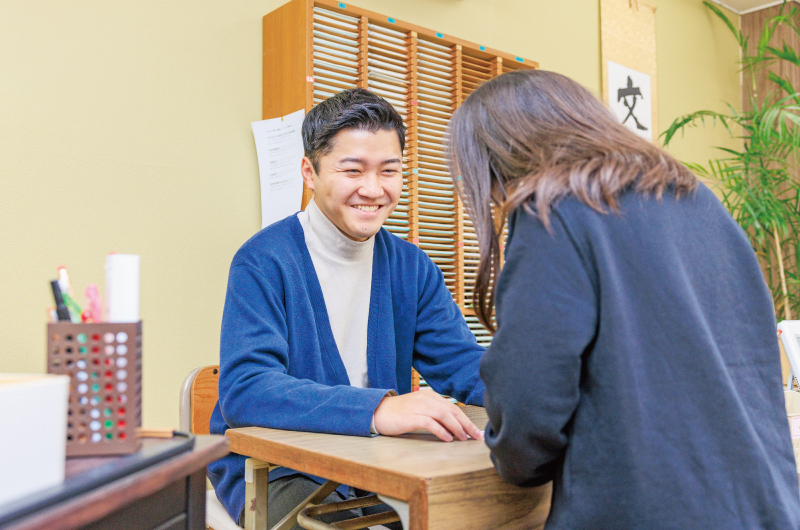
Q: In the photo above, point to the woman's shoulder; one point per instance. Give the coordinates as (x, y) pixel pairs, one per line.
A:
(638, 216)
(630, 200)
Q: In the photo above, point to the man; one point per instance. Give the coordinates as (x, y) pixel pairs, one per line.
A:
(326, 312)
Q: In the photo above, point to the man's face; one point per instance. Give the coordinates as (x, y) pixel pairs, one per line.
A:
(359, 181)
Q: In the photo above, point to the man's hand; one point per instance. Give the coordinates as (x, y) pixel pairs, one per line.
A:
(423, 410)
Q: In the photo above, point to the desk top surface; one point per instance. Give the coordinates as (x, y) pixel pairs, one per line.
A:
(417, 455)
(93, 505)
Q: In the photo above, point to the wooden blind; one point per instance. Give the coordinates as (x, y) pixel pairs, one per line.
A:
(436, 200)
(315, 49)
(388, 75)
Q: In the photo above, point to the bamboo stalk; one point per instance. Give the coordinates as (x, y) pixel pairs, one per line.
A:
(787, 312)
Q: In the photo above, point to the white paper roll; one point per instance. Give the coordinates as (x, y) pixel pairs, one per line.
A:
(122, 288)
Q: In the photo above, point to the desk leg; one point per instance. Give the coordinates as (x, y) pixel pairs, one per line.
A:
(401, 507)
(256, 477)
(196, 500)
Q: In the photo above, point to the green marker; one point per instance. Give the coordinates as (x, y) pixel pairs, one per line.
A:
(73, 307)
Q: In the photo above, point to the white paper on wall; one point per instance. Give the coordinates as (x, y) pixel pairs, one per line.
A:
(279, 146)
(629, 98)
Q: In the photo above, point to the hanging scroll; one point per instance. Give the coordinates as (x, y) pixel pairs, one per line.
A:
(628, 49)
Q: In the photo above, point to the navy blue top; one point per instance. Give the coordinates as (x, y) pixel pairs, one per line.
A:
(279, 364)
(636, 365)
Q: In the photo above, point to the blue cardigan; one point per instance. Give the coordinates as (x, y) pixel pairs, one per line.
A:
(279, 364)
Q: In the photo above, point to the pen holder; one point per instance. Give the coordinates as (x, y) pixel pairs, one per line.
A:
(104, 363)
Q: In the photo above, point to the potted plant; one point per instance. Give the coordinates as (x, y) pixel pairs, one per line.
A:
(758, 183)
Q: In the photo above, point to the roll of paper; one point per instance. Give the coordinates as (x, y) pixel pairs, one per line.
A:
(122, 288)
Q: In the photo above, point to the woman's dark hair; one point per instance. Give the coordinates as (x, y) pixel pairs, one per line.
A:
(532, 137)
(356, 108)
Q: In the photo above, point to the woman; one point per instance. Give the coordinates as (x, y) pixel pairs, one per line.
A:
(635, 362)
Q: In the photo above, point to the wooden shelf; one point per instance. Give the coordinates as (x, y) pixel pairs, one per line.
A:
(316, 48)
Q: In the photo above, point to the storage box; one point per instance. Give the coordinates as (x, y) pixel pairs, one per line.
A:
(104, 363)
(33, 415)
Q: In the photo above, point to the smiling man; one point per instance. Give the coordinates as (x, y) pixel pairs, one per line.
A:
(326, 312)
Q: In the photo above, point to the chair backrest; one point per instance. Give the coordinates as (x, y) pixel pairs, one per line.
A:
(199, 396)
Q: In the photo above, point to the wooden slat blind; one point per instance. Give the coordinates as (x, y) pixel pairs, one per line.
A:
(437, 231)
(335, 53)
(388, 76)
(483, 336)
(456, 97)
(475, 70)
(426, 76)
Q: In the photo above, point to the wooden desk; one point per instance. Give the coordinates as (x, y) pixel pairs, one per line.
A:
(168, 495)
(441, 485)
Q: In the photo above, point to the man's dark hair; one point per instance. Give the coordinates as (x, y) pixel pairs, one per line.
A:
(356, 108)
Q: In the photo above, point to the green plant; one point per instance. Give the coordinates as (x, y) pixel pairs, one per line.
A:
(759, 183)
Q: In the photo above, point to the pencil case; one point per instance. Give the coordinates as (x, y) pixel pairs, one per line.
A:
(104, 363)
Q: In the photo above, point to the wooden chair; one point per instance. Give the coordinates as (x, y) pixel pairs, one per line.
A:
(199, 395)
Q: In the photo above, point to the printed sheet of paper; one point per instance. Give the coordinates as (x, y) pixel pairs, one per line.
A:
(279, 146)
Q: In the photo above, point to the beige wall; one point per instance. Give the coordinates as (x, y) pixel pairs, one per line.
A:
(697, 69)
(125, 126)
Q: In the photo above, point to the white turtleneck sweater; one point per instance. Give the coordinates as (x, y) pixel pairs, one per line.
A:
(344, 270)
